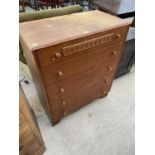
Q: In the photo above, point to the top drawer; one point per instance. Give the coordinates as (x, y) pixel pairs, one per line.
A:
(57, 53)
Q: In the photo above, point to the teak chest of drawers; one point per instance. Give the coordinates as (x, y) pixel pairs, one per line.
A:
(73, 58)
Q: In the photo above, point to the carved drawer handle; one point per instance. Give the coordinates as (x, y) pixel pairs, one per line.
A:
(60, 73)
(63, 103)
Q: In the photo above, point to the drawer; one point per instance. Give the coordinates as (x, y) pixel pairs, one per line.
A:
(99, 58)
(57, 53)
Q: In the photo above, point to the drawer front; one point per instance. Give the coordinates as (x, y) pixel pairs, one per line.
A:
(57, 53)
(102, 58)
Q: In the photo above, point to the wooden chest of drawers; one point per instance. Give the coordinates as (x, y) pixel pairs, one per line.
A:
(73, 58)
(30, 140)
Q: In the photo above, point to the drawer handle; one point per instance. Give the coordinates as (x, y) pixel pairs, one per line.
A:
(106, 81)
(65, 113)
(109, 68)
(118, 35)
(60, 73)
(62, 90)
(114, 52)
(58, 55)
(63, 103)
(75, 48)
(104, 92)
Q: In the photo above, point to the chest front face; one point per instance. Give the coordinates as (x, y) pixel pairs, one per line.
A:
(77, 71)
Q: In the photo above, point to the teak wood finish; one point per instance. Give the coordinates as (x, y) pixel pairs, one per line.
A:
(73, 58)
(30, 140)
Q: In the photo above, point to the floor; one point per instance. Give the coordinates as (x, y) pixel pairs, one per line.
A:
(104, 127)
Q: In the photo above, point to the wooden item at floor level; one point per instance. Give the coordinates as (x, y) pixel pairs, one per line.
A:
(30, 140)
(73, 58)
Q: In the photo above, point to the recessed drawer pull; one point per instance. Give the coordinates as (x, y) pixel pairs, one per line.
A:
(72, 49)
(105, 81)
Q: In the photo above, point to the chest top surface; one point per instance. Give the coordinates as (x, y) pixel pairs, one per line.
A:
(46, 32)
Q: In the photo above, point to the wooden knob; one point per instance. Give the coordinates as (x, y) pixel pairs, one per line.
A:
(60, 73)
(53, 59)
(118, 35)
(65, 113)
(105, 92)
(114, 52)
(57, 55)
(62, 90)
(63, 103)
(105, 80)
(109, 68)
